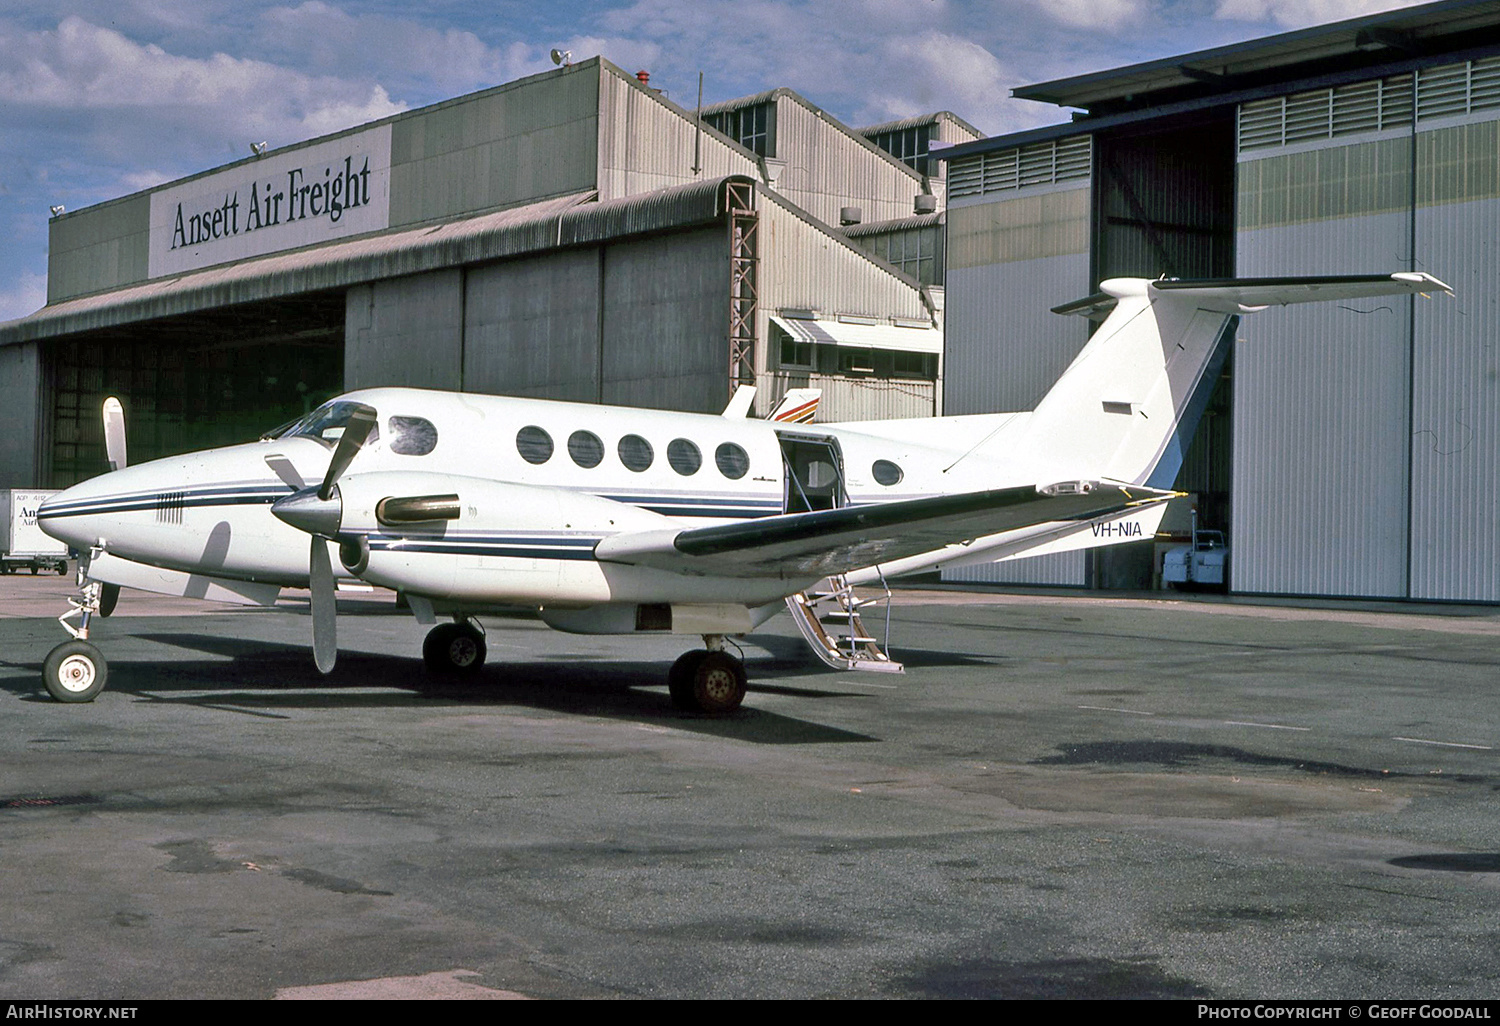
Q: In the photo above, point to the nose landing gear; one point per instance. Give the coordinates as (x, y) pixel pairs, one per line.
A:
(75, 671)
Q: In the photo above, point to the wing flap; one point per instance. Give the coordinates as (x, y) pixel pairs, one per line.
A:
(801, 545)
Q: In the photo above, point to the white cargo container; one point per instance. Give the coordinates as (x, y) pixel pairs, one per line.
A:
(22, 543)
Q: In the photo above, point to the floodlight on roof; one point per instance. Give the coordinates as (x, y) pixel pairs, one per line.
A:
(562, 58)
(259, 149)
(57, 209)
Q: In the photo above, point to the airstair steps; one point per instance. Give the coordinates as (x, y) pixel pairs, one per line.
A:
(828, 618)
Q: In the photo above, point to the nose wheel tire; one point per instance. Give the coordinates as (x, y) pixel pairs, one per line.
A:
(75, 671)
(453, 650)
(709, 682)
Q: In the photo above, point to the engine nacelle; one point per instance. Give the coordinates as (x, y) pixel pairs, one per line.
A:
(495, 540)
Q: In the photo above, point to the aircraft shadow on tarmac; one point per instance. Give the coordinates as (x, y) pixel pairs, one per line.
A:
(257, 677)
(791, 656)
(1452, 862)
(1181, 754)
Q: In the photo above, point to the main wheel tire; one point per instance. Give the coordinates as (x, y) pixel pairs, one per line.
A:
(453, 650)
(680, 679)
(75, 671)
(719, 683)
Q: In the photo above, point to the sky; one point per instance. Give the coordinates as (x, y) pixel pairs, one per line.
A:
(103, 98)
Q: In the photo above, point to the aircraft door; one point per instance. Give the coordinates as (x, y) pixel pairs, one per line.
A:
(814, 473)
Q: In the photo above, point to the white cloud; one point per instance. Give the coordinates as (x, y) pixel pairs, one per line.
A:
(630, 54)
(136, 181)
(944, 72)
(131, 98)
(393, 50)
(1095, 14)
(1302, 13)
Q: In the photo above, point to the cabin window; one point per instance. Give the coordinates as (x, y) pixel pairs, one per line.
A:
(733, 460)
(412, 436)
(684, 456)
(586, 449)
(886, 473)
(636, 453)
(534, 444)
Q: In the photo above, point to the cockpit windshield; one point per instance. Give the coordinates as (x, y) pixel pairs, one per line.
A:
(325, 424)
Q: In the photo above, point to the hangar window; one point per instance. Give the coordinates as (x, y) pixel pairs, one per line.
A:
(326, 424)
(733, 460)
(585, 448)
(886, 473)
(412, 436)
(684, 456)
(534, 444)
(636, 453)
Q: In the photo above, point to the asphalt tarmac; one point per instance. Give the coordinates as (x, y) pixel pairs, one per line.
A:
(1064, 796)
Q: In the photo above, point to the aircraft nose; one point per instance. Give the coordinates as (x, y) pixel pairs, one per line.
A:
(70, 516)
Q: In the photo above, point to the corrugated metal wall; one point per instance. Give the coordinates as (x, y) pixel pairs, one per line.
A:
(1321, 420)
(98, 248)
(805, 267)
(1455, 516)
(846, 398)
(666, 322)
(646, 145)
(404, 331)
(532, 327)
(523, 141)
(1009, 262)
(828, 168)
(1367, 444)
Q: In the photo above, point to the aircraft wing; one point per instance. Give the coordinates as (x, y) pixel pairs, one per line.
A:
(802, 545)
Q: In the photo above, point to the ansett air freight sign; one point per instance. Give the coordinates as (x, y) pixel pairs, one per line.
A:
(311, 195)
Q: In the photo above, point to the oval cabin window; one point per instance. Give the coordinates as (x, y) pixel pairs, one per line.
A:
(534, 444)
(586, 449)
(886, 472)
(684, 457)
(636, 453)
(733, 460)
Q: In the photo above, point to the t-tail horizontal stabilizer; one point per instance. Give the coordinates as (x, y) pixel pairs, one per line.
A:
(1127, 407)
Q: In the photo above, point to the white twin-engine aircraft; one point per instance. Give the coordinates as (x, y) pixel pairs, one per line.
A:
(619, 521)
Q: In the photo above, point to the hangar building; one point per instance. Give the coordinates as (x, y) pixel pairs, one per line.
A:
(571, 235)
(1347, 453)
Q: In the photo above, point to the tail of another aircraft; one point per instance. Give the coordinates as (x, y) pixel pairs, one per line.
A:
(1127, 407)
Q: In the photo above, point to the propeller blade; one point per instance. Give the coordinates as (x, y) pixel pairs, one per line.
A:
(114, 433)
(282, 468)
(324, 606)
(353, 438)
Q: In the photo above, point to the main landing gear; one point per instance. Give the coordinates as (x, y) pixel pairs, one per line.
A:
(454, 649)
(710, 681)
(75, 671)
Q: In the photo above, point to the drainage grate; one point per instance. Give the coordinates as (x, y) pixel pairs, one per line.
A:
(47, 801)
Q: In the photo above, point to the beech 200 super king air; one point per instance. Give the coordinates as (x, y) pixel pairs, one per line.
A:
(620, 521)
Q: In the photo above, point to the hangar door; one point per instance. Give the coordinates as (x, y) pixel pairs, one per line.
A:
(190, 382)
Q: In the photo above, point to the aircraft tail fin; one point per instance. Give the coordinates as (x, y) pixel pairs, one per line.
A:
(1127, 407)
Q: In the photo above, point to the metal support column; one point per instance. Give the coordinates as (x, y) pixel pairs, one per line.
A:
(744, 258)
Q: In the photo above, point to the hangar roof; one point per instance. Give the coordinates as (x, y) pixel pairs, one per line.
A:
(549, 224)
(1372, 40)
